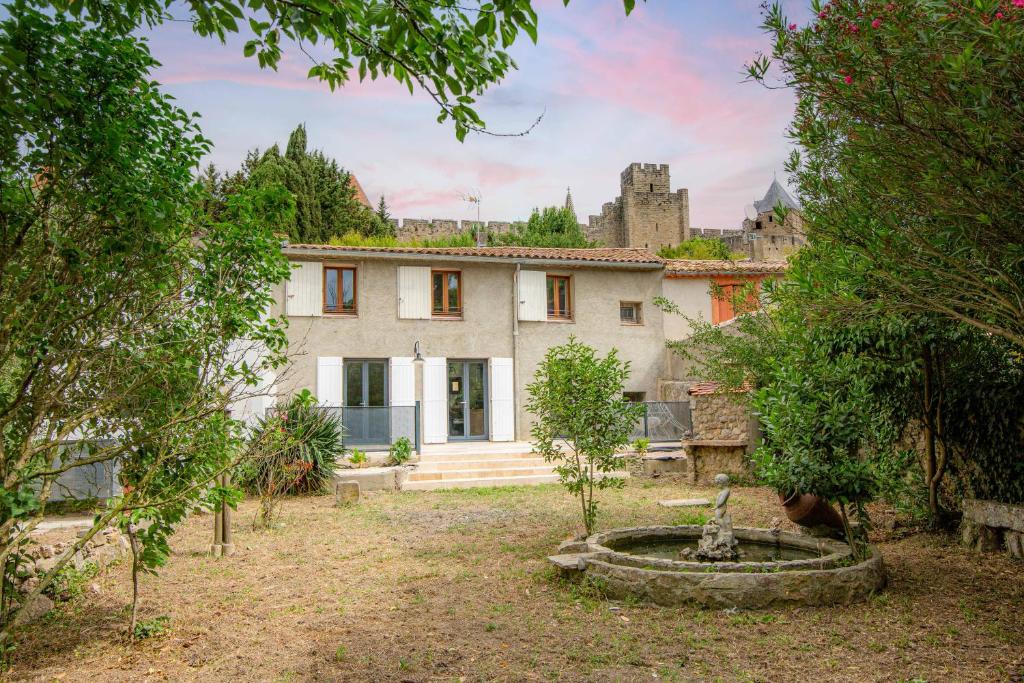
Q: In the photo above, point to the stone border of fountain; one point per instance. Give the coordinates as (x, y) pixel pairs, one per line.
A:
(747, 585)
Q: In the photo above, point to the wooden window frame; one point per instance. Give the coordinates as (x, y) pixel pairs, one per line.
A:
(445, 313)
(638, 320)
(558, 315)
(354, 311)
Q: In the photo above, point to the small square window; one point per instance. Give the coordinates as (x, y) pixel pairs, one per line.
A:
(631, 313)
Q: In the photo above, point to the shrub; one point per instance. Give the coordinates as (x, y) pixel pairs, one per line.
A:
(400, 452)
(358, 457)
(641, 445)
(147, 628)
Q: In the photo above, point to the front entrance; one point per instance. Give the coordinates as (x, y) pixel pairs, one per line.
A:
(467, 399)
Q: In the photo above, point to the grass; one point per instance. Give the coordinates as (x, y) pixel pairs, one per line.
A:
(450, 585)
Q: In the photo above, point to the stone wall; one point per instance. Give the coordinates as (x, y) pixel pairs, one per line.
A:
(722, 416)
(773, 241)
(421, 228)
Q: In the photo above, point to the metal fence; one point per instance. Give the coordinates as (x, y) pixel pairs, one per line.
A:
(664, 421)
(377, 427)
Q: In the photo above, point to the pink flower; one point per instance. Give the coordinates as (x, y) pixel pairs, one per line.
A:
(848, 80)
(1018, 3)
(999, 15)
(876, 23)
(792, 27)
(821, 15)
(853, 27)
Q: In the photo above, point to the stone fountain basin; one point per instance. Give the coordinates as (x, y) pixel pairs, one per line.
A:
(830, 578)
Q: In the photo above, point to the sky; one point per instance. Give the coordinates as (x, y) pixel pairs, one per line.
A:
(664, 85)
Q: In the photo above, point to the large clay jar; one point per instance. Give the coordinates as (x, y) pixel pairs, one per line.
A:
(809, 510)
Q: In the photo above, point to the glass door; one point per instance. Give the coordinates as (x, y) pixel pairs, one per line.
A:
(467, 399)
(366, 414)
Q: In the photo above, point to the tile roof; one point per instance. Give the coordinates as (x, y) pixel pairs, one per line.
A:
(602, 255)
(709, 267)
(709, 388)
(360, 195)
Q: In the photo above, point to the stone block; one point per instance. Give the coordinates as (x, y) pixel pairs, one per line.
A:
(1015, 544)
(655, 465)
(685, 503)
(346, 492)
(993, 514)
(34, 610)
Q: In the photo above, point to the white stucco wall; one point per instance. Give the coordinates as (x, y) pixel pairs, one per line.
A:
(693, 297)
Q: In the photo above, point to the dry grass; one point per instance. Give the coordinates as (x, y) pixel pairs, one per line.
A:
(453, 586)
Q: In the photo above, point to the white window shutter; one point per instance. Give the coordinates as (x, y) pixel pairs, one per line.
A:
(328, 381)
(303, 292)
(503, 418)
(414, 292)
(533, 295)
(403, 382)
(435, 400)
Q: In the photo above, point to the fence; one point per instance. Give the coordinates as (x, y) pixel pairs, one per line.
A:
(377, 427)
(664, 421)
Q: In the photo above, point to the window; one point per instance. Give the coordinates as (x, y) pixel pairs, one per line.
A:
(446, 293)
(559, 298)
(630, 313)
(339, 290)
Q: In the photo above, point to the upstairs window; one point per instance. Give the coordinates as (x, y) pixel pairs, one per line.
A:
(339, 290)
(446, 293)
(559, 297)
(630, 313)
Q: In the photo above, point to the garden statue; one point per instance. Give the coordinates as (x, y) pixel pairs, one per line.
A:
(717, 542)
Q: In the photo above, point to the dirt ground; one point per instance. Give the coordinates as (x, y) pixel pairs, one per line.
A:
(453, 586)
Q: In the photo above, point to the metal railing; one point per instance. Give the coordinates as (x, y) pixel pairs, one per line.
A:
(664, 421)
(377, 427)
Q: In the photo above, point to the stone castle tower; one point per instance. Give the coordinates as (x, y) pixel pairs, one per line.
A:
(646, 214)
(765, 238)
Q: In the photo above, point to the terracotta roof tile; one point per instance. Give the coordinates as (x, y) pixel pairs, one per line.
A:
(710, 267)
(619, 255)
(708, 388)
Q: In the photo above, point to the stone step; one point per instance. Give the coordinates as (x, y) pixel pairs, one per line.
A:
(480, 455)
(531, 480)
(485, 473)
(522, 480)
(480, 464)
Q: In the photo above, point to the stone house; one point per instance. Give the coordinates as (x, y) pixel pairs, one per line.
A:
(460, 332)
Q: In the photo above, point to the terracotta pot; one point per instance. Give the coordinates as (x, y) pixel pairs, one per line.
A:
(809, 510)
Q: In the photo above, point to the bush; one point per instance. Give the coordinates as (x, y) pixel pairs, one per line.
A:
(400, 452)
(299, 450)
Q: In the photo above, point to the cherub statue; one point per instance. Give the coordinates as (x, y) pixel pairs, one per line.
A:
(721, 480)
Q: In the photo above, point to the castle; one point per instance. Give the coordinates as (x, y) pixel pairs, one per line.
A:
(649, 215)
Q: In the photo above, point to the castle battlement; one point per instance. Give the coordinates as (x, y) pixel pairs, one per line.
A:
(647, 213)
(412, 228)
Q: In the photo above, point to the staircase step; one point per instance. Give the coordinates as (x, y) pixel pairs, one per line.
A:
(531, 480)
(478, 455)
(486, 473)
(479, 464)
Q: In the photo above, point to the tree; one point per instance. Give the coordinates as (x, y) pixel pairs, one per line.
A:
(130, 326)
(912, 149)
(582, 419)
(325, 199)
(701, 248)
(552, 227)
(453, 50)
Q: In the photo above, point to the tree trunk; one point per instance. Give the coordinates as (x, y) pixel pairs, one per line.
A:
(135, 581)
(932, 474)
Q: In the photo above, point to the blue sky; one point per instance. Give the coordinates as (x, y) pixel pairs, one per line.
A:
(663, 85)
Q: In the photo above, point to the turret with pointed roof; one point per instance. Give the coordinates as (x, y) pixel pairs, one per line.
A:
(568, 201)
(775, 195)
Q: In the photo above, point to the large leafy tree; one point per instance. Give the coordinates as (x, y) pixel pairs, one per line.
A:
(551, 227)
(128, 326)
(451, 49)
(909, 120)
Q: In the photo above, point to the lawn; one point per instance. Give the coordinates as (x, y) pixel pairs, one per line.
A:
(453, 586)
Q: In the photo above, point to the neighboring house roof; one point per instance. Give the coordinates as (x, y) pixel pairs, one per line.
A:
(631, 256)
(694, 267)
(776, 193)
(360, 195)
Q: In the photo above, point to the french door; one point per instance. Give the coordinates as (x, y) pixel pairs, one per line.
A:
(467, 399)
(366, 414)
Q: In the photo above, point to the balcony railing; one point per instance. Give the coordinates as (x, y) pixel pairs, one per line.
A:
(377, 427)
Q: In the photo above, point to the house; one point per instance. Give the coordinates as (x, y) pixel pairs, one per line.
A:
(460, 332)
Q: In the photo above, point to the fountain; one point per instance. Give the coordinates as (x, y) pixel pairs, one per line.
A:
(719, 566)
